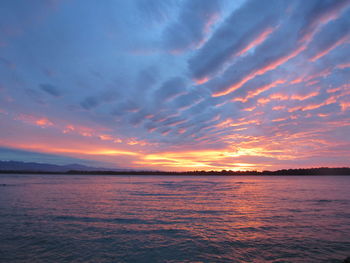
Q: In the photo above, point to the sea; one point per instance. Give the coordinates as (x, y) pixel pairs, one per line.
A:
(100, 218)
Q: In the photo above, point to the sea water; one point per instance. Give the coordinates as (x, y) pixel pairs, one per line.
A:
(85, 218)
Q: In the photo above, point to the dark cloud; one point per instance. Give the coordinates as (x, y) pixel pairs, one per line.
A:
(172, 121)
(147, 78)
(170, 89)
(125, 107)
(334, 34)
(187, 100)
(319, 13)
(233, 36)
(190, 28)
(138, 117)
(51, 89)
(109, 96)
(90, 103)
(274, 52)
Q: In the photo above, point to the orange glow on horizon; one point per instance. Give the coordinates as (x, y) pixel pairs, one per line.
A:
(83, 150)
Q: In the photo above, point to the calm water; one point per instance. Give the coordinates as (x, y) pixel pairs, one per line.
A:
(66, 218)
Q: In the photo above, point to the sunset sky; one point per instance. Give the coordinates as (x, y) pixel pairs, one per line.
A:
(176, 85)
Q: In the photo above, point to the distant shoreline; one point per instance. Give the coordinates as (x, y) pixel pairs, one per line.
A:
(323, 171)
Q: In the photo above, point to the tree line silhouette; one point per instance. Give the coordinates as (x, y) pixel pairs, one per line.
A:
(300, 171)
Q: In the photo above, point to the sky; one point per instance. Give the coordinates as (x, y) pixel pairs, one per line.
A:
(176, 84)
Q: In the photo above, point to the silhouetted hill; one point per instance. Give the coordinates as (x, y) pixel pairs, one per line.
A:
(43, 167)
(23, 167)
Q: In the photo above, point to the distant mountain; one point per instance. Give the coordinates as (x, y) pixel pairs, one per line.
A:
(31, 167)
(44, 167)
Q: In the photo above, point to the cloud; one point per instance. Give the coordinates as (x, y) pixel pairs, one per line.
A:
(266, 56)
(187, 100)
(51, 90)
(234, 38)
(90, 103)
(124, 107)
(192, 26)
(257, 90)
(320, 13)
(42, 122)
(330, 37)
(170, 89)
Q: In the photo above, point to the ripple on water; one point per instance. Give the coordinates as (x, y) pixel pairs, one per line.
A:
(174, 219)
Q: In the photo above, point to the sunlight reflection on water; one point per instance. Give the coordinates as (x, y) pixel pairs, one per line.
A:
(72, 218)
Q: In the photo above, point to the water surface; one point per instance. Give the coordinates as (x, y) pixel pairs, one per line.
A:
(79, 218)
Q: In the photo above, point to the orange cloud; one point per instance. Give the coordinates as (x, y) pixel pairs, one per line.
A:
(135, 141)
(257, 41)
(245, 123)
(296, 81)
(106, 137)
(345, 105)
(181, 131)
(332, 90)
(323, 115)
(322, 19)
(312, 83)
(38, 121)
(343, 66)
(263, 101)
(250, 108)
(294, 109)
(256, 92)
(280, 119)
(259, 90)
(330, 100)
(43, 122)
(278, 108)
(279, 96)
(272, 65)
(82, 130)
(304, 97)
(329, 49)
(201, 81)
(324, 73)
